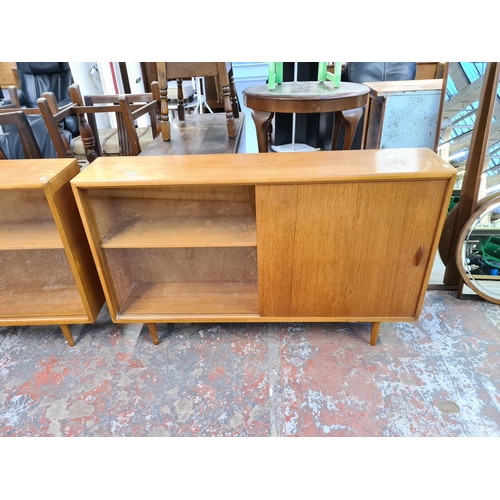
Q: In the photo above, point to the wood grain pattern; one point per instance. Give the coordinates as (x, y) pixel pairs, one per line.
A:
(188, 298)
(341, 236)
(117, 206)
(126, 266)
(19, 236)
(345, 249)
(38, 283)
(183, 232)
(382, 89)
(258, 169)
(65, 214)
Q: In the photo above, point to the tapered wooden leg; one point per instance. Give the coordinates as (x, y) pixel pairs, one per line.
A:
(262, 120)
(350, 118)
(337, 120)
(374, 335)
(67, 333)
(154, 333)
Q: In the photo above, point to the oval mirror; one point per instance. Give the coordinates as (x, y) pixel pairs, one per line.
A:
(478, 251)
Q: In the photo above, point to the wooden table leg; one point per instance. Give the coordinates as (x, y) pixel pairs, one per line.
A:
(67, 333)
(350, 118)
(262, 120)
(154, 333)
(374, 334)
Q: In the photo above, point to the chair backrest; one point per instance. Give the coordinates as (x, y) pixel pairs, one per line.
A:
(30, 146)
(86, 108)
(222, 71)
(53, 116)
(129, 115)
(36, 78)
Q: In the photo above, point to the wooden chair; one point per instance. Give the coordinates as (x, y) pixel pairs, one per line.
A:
(151, 106)
(179, 70)
(139, 104)
(85, 108)
(28, 141)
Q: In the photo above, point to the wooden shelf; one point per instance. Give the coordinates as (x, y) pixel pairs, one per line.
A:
(177, 232)
(191, 298)
(47, 273)
(41, 301)
(29, 235)
(489, 277)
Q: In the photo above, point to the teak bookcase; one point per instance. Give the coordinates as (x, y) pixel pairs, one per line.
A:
(324, 236)
(47, 273)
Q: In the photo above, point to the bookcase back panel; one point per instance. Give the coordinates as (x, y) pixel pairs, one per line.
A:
(122, 206)
(24, 205)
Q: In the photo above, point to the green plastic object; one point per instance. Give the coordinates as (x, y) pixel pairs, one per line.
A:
(275, 75)
(334, 77)
(491, 251)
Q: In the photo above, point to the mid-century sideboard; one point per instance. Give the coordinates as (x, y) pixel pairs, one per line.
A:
(324, 236)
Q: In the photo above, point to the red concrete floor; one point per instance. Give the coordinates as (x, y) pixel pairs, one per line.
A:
(436, 377)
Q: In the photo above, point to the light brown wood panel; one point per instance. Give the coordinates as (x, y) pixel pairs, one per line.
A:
(37, 283)
(171, 265)
(67, 218)
(183, 232)
(256, 169)
(191, 298)
(24, 205)
(345, 250)
(382, 89)
(31, 174)
(126, 206)
(25, 235)
(43, 301)
(8, 74)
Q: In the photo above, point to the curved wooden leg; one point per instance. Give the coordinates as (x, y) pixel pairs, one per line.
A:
(67, 333)
(337, 120)
(154, 333)
(374, 334)
(350, 118)
(262, 120)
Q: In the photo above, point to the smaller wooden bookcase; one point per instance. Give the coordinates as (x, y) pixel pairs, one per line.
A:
(47, 273)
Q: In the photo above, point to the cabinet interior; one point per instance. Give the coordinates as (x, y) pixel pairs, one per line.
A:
(178, 249)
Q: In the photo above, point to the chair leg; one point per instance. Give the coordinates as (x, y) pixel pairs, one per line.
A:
(180, 98)
(234, 95)
(164, 118)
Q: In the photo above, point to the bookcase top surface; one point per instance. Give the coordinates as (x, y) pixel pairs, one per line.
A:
(31, 174)
(261, 168)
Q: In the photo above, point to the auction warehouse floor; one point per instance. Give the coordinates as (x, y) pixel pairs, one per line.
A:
(439, 376)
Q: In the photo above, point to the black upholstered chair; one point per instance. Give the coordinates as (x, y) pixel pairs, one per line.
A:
(36, 78)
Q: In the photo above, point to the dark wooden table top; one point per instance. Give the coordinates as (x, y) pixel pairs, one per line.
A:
(306, 97)
(198, 134)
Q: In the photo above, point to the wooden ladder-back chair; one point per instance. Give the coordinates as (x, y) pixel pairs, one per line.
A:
(139, 104)
(130, 113)
(28, 141)
(179, 70)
